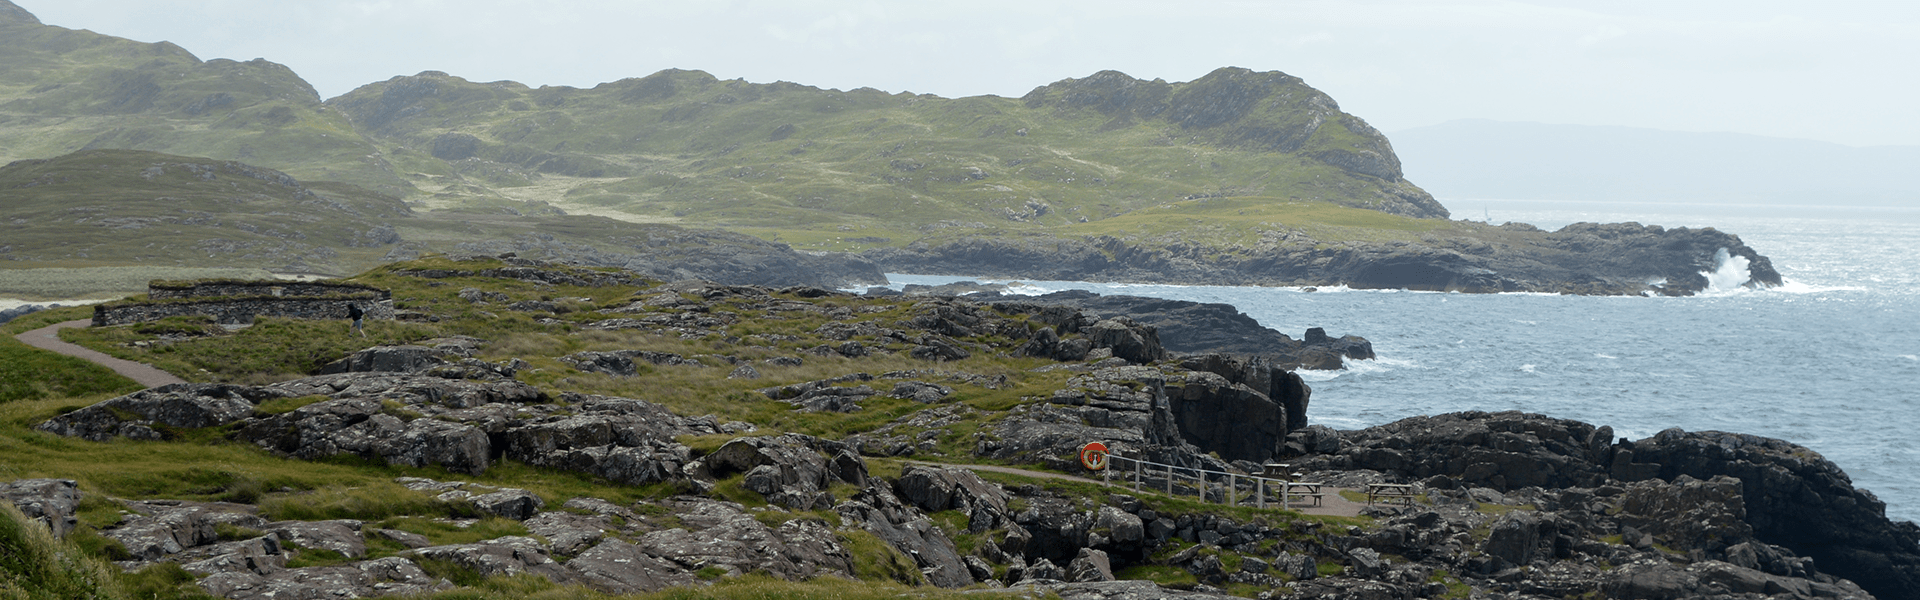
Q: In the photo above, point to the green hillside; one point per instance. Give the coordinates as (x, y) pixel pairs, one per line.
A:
(65, 90)
(114, 207)
(848, 169)
(820, 169)
(1238, 176)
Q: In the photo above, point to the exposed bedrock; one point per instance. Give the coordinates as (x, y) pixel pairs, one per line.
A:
(1189, 327)
(1783, 494)
(1582, 258)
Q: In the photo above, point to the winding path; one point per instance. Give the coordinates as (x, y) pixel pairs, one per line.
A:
(48, 338)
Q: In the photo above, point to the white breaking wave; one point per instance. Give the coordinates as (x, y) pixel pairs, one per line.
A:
(1359, 368)
(1729, 274)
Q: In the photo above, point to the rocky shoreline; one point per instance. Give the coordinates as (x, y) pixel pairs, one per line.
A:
(1506, 505)
(1583, 258)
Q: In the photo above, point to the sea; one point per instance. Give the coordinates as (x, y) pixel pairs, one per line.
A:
(1830, 360)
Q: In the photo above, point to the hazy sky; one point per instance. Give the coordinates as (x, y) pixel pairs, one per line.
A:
(1840, 71)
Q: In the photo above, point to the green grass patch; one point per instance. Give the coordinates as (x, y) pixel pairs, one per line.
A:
(1166, 575)
(874, 560)
(29, 373)
(36, 565)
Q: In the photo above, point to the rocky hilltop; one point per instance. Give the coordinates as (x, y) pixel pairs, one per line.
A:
(572, 428)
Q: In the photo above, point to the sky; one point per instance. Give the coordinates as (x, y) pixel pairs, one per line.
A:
(1838, 71)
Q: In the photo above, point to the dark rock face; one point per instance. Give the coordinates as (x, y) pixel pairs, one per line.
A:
(1191, 328)
(1225, 417)
(1583, 258)
(1797, 499)
(1736, 498)
(1502, 451)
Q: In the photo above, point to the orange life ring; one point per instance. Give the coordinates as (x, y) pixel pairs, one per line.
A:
(1093, 456)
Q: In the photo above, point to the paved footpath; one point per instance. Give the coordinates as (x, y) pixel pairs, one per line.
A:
(48, 338)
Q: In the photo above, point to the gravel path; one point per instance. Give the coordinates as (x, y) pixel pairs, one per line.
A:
(48, 338)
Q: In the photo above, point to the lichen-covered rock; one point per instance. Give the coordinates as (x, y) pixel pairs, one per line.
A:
(722, 534)
(624, 363)
(381, 577)
(618, 567)
(342, 535)
(52, 502)
(1689, 513)
(1138, 344)
(882, 514)
(515, 504)
(934, 489)
(142, 415)
(797, 476)
(568, 533)
(168, 531)
(505, 556)
(1089, 565)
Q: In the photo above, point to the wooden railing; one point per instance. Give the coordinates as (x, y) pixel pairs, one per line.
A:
(1260, 487)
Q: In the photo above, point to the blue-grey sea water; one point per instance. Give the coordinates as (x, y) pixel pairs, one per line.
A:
(1830, 361)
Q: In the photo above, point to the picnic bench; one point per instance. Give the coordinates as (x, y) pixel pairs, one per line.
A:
(1389, 493)
(1290, 485)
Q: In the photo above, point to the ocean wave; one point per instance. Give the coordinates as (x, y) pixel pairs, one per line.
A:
(1360, 368)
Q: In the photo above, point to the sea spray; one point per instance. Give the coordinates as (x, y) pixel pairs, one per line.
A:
(1729, 273)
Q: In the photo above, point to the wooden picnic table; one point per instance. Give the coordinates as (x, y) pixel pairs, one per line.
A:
(1390, 493)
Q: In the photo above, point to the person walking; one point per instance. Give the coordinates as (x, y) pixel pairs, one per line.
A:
(358, 316)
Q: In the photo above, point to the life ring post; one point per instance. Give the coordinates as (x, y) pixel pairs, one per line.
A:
(1094, 456)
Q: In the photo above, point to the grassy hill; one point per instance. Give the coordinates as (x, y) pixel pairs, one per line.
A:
(65, 90)
(75, 220)
(110, 207)
(821, 169)
(1248, 177)
(841, 170)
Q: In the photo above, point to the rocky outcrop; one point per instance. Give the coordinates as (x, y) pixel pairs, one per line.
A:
(1797, 499)
(1187, 327)
(792, 470)
(52, 502)
(1750, 501)
(149, 413)
(1583, 258)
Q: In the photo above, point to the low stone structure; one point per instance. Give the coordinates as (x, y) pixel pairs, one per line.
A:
(239, 302)
(234, 288)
